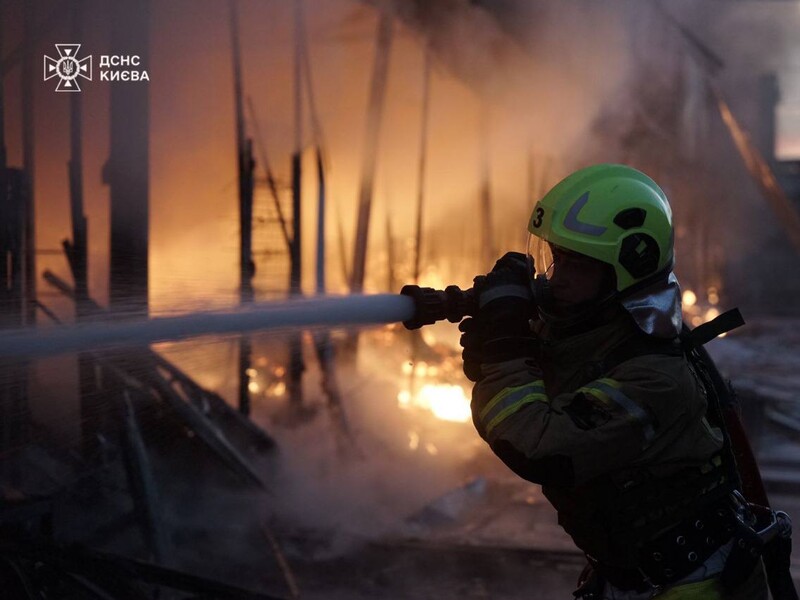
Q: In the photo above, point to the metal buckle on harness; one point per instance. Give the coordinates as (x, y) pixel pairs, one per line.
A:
(743, 509)
(778, 523)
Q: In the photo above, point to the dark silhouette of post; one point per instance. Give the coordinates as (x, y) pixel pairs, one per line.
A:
(246, 168)
(77, 253)
(416, 337)
(369, 156)
(377, 94)
(28, 72)
(296, 365)
(16, 250)
(488, 251)
(127, 171)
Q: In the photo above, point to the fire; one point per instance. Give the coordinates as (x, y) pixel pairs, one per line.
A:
(446, 402)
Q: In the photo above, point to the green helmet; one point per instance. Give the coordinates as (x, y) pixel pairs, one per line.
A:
(612, 213)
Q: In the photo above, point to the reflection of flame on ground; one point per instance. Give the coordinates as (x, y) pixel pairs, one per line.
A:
(697, 311)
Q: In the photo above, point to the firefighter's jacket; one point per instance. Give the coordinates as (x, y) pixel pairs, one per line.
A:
(620, 453)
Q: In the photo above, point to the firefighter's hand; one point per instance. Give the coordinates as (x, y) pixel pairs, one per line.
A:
(472, 342)
(500, 330)
(504, 302)
(509, 282)
(516, 263)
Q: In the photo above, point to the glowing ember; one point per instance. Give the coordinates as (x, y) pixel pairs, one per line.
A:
(253, 387)
(713, 295)
(279, 389)
(689, 298)
(413, 440)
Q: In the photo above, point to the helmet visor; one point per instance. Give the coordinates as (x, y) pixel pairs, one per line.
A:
(540, 257)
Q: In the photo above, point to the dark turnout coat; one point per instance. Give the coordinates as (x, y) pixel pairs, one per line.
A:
(621, 450)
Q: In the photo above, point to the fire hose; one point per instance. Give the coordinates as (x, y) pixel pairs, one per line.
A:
(414, 307)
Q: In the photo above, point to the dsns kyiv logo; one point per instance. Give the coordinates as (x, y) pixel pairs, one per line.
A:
(67, 67)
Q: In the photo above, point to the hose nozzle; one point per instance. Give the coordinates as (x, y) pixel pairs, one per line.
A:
(432, 305)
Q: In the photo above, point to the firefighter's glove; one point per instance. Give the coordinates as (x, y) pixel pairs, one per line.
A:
(516, 262)
(505, 308)
(472, 341)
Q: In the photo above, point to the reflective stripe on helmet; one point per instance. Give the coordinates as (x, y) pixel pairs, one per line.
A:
(571, 220)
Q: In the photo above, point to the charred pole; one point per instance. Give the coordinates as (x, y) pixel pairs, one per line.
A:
(390, 254)
(76, 251)
(423, 160)
(13, 373)
(127, 171)
(296, 365)
(53, 20)
(375, 106)
(246, 167)
(487, 251)
(377, 94)
(322, 339)
(29, 236)
(3, 154)
(272, 185)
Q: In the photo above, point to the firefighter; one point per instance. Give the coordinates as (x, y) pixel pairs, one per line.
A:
(587, 391)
